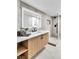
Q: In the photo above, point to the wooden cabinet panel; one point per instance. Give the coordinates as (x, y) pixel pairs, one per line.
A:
(36, 44)
(22, 50)
(45, 39)
(33, 46)
(23, 56)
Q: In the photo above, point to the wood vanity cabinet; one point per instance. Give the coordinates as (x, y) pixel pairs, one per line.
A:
(36, 44)
(33, 46)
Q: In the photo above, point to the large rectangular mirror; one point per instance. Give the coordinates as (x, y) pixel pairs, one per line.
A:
(30, 18)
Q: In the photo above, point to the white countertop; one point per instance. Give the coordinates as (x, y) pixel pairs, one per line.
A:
(33, 34)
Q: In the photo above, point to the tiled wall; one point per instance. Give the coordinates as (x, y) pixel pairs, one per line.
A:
(56, 30)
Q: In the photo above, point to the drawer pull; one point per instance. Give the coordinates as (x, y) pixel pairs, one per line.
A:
(41, 36)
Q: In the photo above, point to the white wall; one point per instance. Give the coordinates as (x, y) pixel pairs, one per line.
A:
(45, 24)
(18, 15)
(21, 4)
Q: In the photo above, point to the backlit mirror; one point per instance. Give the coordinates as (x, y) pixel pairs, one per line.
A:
(30, 18)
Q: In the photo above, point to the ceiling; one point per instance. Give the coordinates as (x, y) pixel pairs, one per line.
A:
(50, 7)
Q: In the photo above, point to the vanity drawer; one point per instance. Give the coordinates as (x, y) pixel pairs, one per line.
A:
(44, 39)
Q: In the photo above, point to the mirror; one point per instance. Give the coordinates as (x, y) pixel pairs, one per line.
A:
(30, 18)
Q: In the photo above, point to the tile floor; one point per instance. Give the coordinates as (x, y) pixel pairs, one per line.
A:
(51, 52)
(53, 40)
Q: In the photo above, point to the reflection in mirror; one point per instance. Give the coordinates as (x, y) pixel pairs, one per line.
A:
(30, 18)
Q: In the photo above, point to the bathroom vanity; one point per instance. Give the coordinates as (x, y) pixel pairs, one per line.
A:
(27, 47)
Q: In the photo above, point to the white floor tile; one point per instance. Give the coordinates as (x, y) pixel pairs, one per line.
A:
(53, 40)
